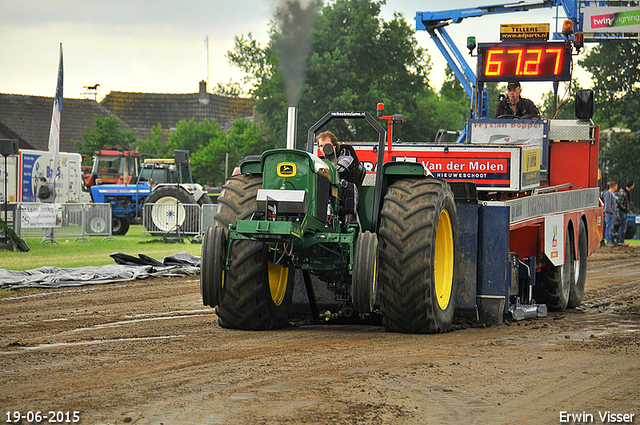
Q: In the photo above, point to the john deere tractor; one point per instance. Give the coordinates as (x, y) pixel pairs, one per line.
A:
(282, 213)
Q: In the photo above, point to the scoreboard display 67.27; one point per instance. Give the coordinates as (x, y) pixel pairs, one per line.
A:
(525, 61)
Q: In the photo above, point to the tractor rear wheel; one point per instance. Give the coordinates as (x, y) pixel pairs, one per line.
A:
(418, 239)
(554, 284)
(212, 273)
(167, 211)
(365, 263)
(237, 201)
(257, 292)
(576, 290)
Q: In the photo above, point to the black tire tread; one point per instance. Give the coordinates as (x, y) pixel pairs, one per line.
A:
(247, 302)
(125, 223)
(553, 284)
(161, 192)
(576, 291)
(406, 237)
(362, 295)
(237, 201)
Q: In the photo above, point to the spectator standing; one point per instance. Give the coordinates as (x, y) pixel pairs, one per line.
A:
(610, 208)
(624, 208)
(45, 191)
(46, 196)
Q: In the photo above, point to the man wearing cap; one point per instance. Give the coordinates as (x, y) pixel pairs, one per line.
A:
(515, 106)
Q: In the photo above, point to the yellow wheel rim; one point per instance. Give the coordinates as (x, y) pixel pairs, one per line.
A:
(375, 274)
(278, 279)
(443, 260)
(224, 257)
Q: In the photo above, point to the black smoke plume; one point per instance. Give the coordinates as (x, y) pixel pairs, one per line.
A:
(295, 21)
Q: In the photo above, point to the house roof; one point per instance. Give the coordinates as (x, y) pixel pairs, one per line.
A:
(28, 118)
(146, 110)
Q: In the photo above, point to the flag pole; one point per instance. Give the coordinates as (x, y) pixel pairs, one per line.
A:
(54, 140)
(54, 132)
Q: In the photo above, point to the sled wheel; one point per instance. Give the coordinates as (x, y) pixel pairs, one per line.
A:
(554, 284)
(212, 271)
(363, 281)
(576, 290)
(418, 239)
(257, 292)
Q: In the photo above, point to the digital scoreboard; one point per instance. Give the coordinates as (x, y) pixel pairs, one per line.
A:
(525, 61)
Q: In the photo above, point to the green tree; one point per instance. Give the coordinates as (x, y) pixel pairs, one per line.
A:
(615, 67)
(199, 139)
(153, 145)
(106, 132)
(620, 156)
(193, 136)
(452, 89)
(356, 60)
(231, 89)
(454, 98)
(494, 90)
(566, 102)
(208, 146)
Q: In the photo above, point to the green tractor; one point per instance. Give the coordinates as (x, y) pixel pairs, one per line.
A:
(281, 214)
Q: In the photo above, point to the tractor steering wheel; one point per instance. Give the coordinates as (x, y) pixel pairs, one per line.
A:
(507, 116)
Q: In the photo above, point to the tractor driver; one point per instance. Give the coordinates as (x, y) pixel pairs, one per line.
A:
(514, 106)
(349, 169)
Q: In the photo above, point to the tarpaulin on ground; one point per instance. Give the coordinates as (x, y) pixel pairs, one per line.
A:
(127, 267)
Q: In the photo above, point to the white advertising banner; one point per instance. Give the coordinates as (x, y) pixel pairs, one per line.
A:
(33, 216)
(554, 238)
(611, 19)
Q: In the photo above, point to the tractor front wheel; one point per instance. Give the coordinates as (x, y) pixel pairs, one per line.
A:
(257, 291)
(365, 263)
(418, 239)
(120, 225)
(212, 272)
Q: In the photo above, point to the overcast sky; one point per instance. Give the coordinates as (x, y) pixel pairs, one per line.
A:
(159, 46)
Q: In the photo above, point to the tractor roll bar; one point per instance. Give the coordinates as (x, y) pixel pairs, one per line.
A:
(382, 136)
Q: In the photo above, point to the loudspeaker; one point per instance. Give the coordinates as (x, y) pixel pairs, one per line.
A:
(181, 157)
(584, 104)
(8, 147)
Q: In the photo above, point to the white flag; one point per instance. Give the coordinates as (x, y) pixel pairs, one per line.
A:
(54, 132)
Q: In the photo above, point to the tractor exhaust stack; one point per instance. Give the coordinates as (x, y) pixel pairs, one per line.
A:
(292, 118)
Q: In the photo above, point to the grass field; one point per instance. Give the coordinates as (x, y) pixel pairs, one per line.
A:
(93, 253)
(96, 252)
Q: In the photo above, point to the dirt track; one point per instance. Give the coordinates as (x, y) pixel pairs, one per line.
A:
(148, 352)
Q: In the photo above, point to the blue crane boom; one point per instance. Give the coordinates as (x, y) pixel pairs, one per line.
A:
(435, 24)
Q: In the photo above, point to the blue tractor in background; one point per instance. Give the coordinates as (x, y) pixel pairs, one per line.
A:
(160, 182)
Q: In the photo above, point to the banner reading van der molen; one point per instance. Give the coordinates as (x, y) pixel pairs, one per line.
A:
(612, 19)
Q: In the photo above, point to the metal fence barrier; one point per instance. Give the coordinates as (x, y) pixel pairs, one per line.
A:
(82, 220)
(159, 219)
(71, 220)
(207, 215)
